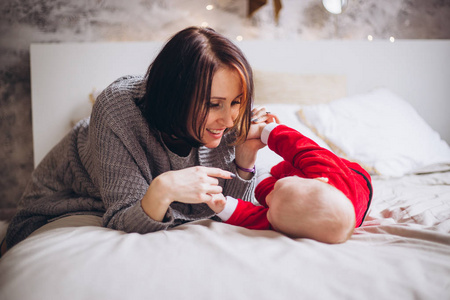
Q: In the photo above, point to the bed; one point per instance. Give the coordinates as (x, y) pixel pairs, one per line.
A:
(362, 109)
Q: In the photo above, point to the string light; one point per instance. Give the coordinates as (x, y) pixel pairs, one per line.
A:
(392, 39)
(239, 38)
(209, 7)
(370, 38)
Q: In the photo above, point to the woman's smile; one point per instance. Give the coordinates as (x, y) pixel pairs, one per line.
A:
(215, 132)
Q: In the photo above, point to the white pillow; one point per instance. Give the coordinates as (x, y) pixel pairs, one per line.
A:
(380, 131)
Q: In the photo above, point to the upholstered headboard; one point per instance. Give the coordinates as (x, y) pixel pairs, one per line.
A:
(63, 76)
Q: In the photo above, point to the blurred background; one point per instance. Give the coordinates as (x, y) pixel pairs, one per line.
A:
(61, 21)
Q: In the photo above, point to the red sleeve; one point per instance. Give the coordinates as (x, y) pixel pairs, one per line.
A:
(263, 189)
(249, 216)
(304, 158)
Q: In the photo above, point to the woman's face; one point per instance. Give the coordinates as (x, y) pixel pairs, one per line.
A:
(226, 96)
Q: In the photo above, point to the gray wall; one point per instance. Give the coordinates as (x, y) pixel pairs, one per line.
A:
(30, 21)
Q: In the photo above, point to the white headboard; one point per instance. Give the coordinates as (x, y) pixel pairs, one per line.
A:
(63, 75)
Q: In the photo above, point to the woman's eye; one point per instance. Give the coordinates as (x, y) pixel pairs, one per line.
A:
(236, 102)
(211, 105)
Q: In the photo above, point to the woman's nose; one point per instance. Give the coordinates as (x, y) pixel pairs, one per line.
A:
(228, 117)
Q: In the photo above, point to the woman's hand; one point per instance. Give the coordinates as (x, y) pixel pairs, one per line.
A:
(255, 131)
(261, 115)
(246, 156)
(246, 153)
(190, 185)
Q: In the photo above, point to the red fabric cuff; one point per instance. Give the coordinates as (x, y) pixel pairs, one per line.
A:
(263, 189)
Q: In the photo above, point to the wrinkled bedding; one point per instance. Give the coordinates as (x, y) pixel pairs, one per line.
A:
(402, 251)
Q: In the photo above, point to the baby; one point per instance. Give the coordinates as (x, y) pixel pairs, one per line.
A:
(312, 193)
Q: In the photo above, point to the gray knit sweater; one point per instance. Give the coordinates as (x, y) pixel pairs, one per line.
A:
(105, 165)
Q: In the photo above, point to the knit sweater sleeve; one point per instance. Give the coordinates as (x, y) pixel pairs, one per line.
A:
(240, 188)
(119, 165)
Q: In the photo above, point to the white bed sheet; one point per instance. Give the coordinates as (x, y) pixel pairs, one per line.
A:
(401, 252)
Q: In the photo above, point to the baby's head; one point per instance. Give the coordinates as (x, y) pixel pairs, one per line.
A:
(310, 208)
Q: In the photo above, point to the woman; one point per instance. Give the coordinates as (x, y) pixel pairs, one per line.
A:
(156, 147)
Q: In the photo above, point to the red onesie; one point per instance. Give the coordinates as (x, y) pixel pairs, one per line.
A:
(304, 158)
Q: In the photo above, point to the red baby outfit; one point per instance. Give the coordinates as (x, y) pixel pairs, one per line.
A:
(304, 158)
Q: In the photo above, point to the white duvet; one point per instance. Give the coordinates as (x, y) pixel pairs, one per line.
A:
(402, 251)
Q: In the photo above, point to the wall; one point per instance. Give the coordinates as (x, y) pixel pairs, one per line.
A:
(28, 21)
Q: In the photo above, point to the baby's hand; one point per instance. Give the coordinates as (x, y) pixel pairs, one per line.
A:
(217, 203)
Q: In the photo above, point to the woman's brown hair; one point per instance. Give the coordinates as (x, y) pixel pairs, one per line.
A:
(179, 83)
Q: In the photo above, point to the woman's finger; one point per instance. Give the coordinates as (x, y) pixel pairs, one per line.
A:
(213, 189)
(258, 109)
(258, 113)
(217, 172)
(206, 180)
(262, 115)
